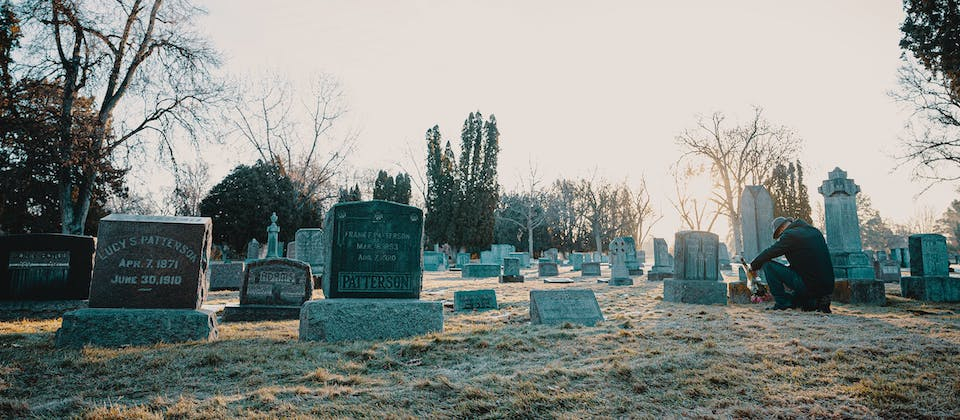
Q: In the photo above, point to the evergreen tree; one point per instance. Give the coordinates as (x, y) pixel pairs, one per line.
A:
(241, 204)
(790, 196)
(383, 187)
(402, 189)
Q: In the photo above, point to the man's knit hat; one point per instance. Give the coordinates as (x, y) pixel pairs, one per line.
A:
(777, 223)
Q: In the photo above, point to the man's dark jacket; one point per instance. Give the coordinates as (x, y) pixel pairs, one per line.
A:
(806, 250)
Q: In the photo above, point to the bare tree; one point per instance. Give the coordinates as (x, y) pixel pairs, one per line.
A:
(695, 213)
(737, 156)
(412, 162)
(932, 142)
(117, 50)
(297, 133)
(646, 216)
(531, 195)
(192, 181)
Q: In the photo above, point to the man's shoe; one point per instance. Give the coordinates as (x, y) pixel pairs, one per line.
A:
(808, 305)
(823, 304)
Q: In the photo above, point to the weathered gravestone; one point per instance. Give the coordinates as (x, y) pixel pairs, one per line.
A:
(374, 276)
(522, 256)
(44, 275)
(463, 258)
(149, 281)
(882, 256)
(474, 300)
(576, 260)
(557, 307)
(45, 266)
(725, 257)
(309, 249)
(886, 270)
(696, 270)
(662, 262)
(273, 289)
(488, 257)
(590, 269)
(642, 257)
(756, 214)
(253, 250)
(511, 271)
(477, 271)
(905, 257)
(547, 267)
(626, 249)
(226, 275)
(856, 280)
(291, 250)
(434, 261)
(619, 274)
(501, 251)
(929, 278)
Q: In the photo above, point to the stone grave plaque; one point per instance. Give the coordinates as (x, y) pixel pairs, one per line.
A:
(374, 250)
(474, 300)
(523, 256)
(151, 262)
(309, 247)
(480, 270)
(553, 254)
(697, 256)
(928, 255)
(576, 260)
(45, 266)
(463, 259)
(291, 250)
(276, 281)
(253, 250)
(553, 307)
(434, 261)
(488, 257)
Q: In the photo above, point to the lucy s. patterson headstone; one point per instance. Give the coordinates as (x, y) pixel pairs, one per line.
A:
(368, 319)
(45, 266)
(929, 278)
(151, 262)
(373, 250)
(696, 270)
(553, 307)
(135, 327)
(474, 300)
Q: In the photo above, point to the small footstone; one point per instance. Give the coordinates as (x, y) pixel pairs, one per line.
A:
(474, 300)
(620, 281)
(703, 292)
(557, 280)
(553, 307)
(108, 327)
(368, 319)
(862, 292)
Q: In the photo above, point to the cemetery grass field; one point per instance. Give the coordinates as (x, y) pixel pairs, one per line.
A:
(649, 359)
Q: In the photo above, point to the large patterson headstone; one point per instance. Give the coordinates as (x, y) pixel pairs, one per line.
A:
(273, 289)
(662, 261)
(696, 270)
(929, 278)
(148, 284)
(756, 214)
(373, 278)
(575, 306)
(856, 279)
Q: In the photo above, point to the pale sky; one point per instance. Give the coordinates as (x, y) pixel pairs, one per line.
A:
(601, 86)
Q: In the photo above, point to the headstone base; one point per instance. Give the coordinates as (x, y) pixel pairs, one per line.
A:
(739, 293)
(635, 272)
(620, 282)
(38, 309)
(701, 292)
(659, 275)
(108, 327)
(511, 279)
(368, 319)
(244, 313)
(931, 289)
(480, 270)
(859, 291)
(852, 265)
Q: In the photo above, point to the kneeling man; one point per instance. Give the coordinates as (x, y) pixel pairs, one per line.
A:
(810, 273)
